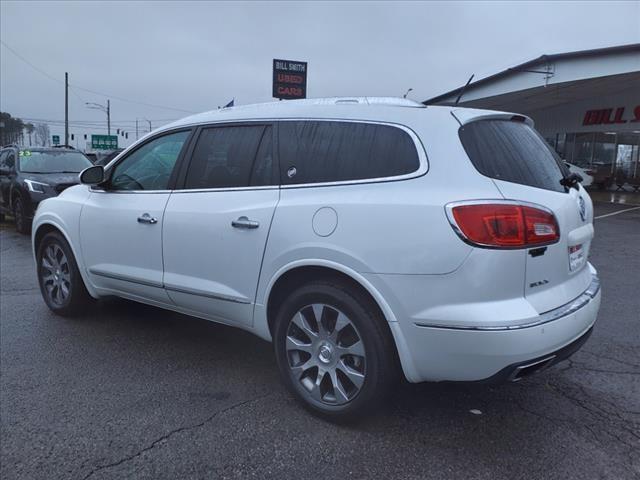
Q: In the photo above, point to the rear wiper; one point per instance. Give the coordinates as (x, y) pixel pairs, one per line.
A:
(571, 181)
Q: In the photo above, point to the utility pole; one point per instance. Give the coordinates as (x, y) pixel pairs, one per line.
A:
(136, 129)
(66, 108)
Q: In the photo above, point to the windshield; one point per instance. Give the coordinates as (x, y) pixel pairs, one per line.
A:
(52, 162)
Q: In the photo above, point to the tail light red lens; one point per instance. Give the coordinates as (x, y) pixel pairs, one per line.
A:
(504, 225)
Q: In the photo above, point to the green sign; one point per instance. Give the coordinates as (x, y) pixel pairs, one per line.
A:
(56, 139)
(104, 142)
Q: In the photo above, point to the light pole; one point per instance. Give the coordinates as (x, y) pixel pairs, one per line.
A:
(107, 110)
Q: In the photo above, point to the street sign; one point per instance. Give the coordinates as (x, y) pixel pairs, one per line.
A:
(289, 79)
(56, 139)
(104, 142)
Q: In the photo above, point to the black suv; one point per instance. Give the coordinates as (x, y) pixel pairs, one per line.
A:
(29, 175)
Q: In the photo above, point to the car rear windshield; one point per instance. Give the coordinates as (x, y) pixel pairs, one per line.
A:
(52, 162)
(512, 151)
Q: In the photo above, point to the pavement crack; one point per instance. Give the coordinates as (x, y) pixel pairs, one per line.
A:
(583, 366)
(599, 413)
(613, 359)
(171, 433)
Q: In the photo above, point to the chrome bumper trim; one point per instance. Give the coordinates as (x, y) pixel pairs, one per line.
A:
(571, 307)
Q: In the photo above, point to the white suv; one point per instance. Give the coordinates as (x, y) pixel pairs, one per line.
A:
(359, 235)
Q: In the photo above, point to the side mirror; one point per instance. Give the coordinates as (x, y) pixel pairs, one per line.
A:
(92, 175)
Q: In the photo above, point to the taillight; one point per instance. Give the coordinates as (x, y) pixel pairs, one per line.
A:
(503, 225)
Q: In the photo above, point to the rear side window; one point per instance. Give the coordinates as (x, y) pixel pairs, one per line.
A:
(317, 151)
(513, 152)
(226, 157)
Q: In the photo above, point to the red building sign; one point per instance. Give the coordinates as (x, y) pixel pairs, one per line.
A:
(609, 116)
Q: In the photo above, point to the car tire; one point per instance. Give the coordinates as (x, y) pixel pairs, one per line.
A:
(61, 284)
(23, 225)
(321, 365)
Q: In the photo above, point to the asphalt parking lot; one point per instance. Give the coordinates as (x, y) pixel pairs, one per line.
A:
(131, 391)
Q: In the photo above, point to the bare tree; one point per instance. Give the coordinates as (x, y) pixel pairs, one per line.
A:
(10, 128)
(42, 134)
(29, 127)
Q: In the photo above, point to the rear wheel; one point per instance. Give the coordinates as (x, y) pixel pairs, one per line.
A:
(334, 350)
(23, 225)
(60, 282)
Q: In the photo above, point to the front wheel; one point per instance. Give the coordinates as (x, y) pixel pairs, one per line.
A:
(23, 224)
(334, 351)
(60, 282)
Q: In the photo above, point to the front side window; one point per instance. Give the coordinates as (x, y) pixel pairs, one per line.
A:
(328, 151)
(10, 161)
(3, 157)
(150, 166)
(232, 156)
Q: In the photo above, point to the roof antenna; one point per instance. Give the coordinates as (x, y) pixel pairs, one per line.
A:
(405, 95)
(463, 89)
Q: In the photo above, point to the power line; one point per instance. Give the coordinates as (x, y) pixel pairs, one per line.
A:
(95, 122)
(51, 77)
(131, 101)
(30, 64)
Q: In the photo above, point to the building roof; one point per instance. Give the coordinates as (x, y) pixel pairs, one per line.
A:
(543, 59)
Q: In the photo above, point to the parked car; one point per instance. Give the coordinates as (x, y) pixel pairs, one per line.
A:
(366, 238)
(585, 174)
(105, 159)
(29, 175)
(603, 177)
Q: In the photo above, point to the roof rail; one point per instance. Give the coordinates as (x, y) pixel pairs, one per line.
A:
(11, 145)
(64, 146)
(386, 101)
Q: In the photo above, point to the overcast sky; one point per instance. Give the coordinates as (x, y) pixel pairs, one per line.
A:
(195, 56)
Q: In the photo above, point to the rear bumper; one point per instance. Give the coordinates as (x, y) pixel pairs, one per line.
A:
(520, 370)
(492, 353)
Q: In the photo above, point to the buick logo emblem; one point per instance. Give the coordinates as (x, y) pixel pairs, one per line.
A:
(582, 209)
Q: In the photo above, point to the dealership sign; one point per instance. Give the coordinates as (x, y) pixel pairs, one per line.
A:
(289, 79)
(609, 116)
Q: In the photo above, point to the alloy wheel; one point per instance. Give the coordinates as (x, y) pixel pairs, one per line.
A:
(326, 355)
(55, 274)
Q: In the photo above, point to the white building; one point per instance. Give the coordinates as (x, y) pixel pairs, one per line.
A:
(586, 104)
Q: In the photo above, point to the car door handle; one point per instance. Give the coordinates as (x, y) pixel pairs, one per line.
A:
(244, 222)
(146, 218)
